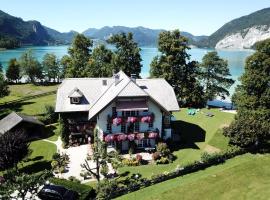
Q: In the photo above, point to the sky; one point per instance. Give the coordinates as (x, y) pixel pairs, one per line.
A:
(199, 17)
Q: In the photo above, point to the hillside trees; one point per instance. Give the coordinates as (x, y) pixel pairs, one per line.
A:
(175, 66)
(13, 72)
(214, 72)
(127, 55)
(252, 98)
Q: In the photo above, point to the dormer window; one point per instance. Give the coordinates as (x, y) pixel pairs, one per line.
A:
(75, 100)
(75, 96)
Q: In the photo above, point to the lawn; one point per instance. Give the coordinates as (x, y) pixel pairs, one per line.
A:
(22, 90)
(33, 106)
(199, 133)
(40, 158)
(243, 177)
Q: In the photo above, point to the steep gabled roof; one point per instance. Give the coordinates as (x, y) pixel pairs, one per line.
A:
(98, 96)
(13, 119)
(75, 93)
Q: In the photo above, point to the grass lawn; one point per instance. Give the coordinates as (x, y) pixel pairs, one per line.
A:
(40, 157)
(243, 177)
(52, 131)
(23, 90)
(198, 133)
(32, 106)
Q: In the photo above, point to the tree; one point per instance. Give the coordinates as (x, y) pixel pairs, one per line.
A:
(127, 55)
(30, 66)
(64, 62)
(175, 66)
(3, 84)
(252, 98)
(51, 67)
(214, 76)
(99, 157)
(22, 183)
(79, 54)
(14, 147)
(13, 72)
(100, 63)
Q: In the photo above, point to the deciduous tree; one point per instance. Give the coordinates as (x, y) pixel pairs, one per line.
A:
(13, 72)
(215, 76)
(175, 66)
(3, 84)
(14, 147)
(79, 54)
(32, 69)
(51, 67)
(127, 55)
(252, 98)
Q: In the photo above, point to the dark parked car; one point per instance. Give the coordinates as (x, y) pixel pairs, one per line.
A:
(56, 192)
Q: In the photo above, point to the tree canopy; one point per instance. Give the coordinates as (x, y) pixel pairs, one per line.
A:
(252, 98)
(79, 55)
(51, 67)
(13, 72)
(215, 76)
(3, 84)
(175, 66)
(32, 69)
(127, 55)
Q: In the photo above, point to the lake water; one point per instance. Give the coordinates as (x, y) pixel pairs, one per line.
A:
(236, 58)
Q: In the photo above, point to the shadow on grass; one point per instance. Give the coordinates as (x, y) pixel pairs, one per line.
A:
(36, 167)
(49, 131)
(16, 107)
(189, 134)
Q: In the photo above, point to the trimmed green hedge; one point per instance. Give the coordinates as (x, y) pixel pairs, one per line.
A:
(86, 192)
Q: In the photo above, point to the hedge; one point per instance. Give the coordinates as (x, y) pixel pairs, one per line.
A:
(85, 192)
(207, 160)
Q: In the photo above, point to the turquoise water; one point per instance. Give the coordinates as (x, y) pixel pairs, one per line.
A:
(236, 58)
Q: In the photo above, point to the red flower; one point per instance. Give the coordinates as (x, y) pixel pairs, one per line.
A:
(131, 137)
(122, 137)
(152, 135)
(132, 119)
(117, 121)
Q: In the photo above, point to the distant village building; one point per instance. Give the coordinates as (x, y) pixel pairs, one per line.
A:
(19, 122)
(123, 109)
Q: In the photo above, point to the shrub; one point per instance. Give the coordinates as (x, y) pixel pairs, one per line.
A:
(130, 162)
(49, 116)
(106, 189)
(54, 165)
(163, 160)
(156, 156)
(74, 179)
(139, 158)
(163, 149)
(86, 192)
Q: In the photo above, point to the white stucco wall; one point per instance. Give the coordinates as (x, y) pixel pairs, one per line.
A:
(103, 116)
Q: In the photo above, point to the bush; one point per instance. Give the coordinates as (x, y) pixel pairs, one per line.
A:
(130, 162)
(107, 189)
(139, 158)
(49, 116)
(156, 156)
(86, 192)
(163, 149)
(74, 179)
(162, 160)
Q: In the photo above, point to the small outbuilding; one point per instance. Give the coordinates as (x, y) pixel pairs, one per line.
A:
(29, 124)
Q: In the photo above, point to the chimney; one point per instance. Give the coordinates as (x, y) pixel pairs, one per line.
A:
(116, 78)
(133, 77)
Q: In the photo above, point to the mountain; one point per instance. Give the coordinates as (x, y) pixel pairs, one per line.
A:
(143, 36)
(22, 32)
(242, 32)
(61, 38)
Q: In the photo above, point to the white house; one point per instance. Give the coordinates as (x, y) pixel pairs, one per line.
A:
(124, 110)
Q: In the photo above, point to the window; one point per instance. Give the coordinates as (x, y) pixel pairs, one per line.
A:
(75, 100)
(132, 113)
(104, 82)
(123, 113)
(143, 143)
(137, 126)
(150, 125)
(114, 113)
(123, 128)
(109, 127)
(111, 144)
(128, 113)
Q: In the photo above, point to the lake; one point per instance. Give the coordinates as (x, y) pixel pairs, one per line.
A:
(236, 58)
